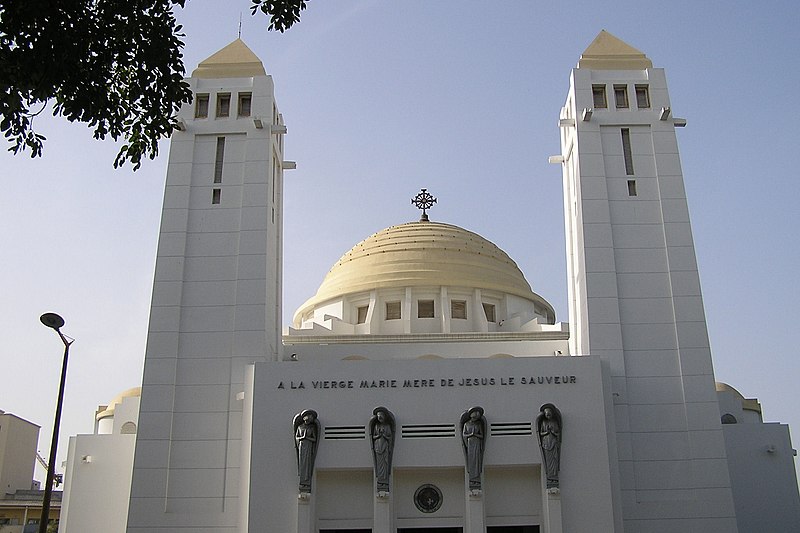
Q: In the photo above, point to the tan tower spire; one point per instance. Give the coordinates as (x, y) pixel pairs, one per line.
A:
(234, 61)
(610, 53)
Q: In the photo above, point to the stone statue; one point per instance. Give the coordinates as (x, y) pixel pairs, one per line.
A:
(548, 430)
(381, 430)
(306, 436)
(473, 439)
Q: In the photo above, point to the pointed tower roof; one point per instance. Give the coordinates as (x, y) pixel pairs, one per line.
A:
(610, 53)
(234, 61)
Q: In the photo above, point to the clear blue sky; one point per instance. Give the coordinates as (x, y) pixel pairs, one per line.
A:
(382, 98)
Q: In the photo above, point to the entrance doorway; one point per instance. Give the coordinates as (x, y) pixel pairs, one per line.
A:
(345, 531)
(430, 530)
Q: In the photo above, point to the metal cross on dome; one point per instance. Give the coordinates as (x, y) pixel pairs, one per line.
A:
(423, 200)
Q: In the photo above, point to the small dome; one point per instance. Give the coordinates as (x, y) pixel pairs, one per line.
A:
(108, 410)
(422, 254)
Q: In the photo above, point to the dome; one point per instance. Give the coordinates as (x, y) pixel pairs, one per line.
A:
(422, 253)
(108, 410)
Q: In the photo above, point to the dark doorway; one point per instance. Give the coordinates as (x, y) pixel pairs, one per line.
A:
(345, 531)
(430, 530)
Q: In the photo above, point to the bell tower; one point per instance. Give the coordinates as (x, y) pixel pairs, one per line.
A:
(634, 289)
(216, 303)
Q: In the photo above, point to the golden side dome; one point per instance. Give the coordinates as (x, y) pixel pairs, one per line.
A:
(105, 411)
(422, 253)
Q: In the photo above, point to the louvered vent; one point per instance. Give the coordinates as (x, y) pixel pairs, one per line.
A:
(428, 431)
(345, 432)
(508, 429)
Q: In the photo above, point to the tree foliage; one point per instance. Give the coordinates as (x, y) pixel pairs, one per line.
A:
(282, 13)
(115, 65)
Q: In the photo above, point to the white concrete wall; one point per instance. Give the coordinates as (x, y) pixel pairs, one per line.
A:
(512, 313)
(216, 308)
(761, 462)
(544, 344)
(634, 295)
(343, 488)
(97, 483)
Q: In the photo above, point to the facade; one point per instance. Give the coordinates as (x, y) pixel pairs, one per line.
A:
(97, 480)
(20, 499)
(18, 440)
(21, 512)
(426, 386)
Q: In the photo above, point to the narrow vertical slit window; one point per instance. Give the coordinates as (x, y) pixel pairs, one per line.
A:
(276, 172)
(632, 188)
(201, 106)
(245, 101)
(642, 97)
(599, 96)
(219, 159)
(223, 105)
(621, 96)
(216, 196)
(626, 151)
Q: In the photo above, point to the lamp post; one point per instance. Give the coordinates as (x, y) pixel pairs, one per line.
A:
(52, 320)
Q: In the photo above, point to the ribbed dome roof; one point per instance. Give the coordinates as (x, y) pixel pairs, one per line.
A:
(422, 254)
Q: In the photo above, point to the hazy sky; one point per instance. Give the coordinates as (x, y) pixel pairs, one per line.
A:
(382, 98)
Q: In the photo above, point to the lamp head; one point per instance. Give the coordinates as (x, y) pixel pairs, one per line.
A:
(52, 320)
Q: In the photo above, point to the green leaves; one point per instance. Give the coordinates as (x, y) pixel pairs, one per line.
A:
(115, 65)
(282, 13)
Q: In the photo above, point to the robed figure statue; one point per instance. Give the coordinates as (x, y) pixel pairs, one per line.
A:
(382, 431)
(306, 436)
(548, 430)
(473, 440)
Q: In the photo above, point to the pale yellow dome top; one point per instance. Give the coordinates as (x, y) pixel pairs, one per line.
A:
(105, 411)
(422, 254)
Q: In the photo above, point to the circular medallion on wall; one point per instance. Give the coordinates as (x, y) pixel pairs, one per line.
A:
(428, 498)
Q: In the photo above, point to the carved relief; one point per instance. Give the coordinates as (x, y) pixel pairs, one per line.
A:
(306, 436)
(473, 440)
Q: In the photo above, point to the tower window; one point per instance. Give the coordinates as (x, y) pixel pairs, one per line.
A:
(599, 96)
(362, 314)
(223, 105)
(218, 159)
(201, 106)
(626, 151)
(425, 309)
(488, 310)
(393, 310)
(458, 309)
(245, 100)
(642, 97)
(621, 96)
(632, 188)
(216, 196)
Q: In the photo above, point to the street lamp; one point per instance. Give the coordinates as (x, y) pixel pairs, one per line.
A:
(52, 320)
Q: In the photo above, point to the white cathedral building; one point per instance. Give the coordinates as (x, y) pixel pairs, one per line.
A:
(426, 387)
